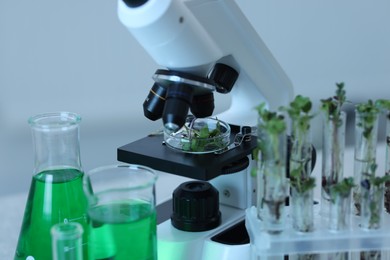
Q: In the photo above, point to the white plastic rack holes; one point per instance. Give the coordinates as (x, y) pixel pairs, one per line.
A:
(320, 241)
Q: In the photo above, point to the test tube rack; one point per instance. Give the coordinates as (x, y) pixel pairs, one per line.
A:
(320, 241)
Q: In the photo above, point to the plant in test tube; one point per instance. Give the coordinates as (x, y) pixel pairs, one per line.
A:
(366, 135)
(271, 173)
(333, 138)
(302, 184)
(339, 212)
(385, 106)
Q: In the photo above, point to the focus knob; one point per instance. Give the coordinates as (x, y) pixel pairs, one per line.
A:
(195, 207)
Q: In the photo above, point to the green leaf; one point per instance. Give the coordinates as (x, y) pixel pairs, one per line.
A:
(332, 106)
(343, 188)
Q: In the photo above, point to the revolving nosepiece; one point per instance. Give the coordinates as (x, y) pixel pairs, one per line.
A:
(174, 93)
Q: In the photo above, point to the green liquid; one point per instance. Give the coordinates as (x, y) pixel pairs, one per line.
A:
(56, 196)
(123, 231)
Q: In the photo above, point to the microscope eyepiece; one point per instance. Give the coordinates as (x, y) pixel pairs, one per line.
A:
(134, 3)
(177, 104)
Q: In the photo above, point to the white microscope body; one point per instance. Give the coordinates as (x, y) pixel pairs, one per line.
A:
(191, 36)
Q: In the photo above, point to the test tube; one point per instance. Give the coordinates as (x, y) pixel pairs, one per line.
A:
(67, 241)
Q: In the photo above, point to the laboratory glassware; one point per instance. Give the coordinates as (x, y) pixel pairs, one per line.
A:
(333, 140)
(366, 137)
(271, 170)
(56, 192)
(387, 163)
(67, 241)
(121, 212)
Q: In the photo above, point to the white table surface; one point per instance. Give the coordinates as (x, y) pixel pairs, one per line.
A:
(12, 206)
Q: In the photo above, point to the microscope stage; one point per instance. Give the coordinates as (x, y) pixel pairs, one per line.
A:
(152, 152)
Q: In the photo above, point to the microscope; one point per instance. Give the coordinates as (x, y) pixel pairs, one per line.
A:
(204, 47)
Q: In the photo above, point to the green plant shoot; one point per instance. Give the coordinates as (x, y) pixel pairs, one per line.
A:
(343, 188)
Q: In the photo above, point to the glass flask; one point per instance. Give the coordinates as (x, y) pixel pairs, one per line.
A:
(67, 241)
(56, 193)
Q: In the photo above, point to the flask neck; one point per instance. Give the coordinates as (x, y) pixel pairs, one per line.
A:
(67, 241)
(56, 142)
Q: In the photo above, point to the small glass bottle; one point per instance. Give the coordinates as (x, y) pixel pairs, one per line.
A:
(67, 241)
(56, 194)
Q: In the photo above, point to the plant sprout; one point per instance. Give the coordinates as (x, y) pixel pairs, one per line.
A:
(332, 109)
(343, 188)
(272, 178)
(300, 156)
(272, 123)
(372, 188)
(202, 139)
(332, 106)
(370, 111)
(367, 115)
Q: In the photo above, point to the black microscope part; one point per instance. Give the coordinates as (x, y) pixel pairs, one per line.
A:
(202, 105)
(195, 206)
(177, 105)
(234, 235)
(224, 76)
(134, 3)
(154, 103)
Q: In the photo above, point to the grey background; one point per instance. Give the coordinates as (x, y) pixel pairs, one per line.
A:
(75, 55)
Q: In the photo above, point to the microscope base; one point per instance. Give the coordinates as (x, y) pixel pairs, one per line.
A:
(174, 244)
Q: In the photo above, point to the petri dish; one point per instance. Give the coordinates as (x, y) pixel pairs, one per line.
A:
(199, 136)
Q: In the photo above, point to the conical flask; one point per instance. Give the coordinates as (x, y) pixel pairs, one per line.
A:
(56, 193)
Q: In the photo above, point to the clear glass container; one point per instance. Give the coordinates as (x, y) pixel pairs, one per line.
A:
(333, 139)
(366, 136)
(67, 241)
(302, 212)
(301, 150)
(272, 181)
(199, 135)
(372, 196)
(387, 163)
(300, 167)
(56, 194)
(340, 212)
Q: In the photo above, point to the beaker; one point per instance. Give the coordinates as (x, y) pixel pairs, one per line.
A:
(67, 241)
(56, 193)
(121, 212)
